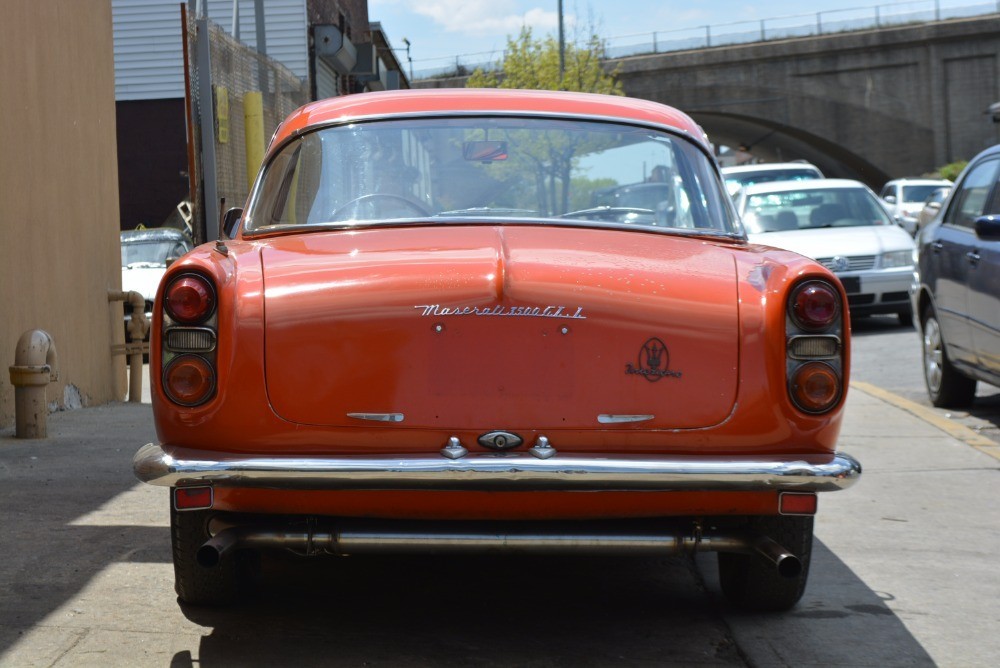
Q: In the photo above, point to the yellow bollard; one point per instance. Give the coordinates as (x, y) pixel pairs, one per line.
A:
(253, 123)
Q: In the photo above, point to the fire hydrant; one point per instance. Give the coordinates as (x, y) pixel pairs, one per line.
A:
(35, 366)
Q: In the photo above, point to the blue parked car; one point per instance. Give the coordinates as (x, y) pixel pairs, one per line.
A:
(957, 289)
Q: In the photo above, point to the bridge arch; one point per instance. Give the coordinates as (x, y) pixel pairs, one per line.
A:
(870, 105)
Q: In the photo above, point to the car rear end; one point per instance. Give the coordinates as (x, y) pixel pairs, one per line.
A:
(461, 380)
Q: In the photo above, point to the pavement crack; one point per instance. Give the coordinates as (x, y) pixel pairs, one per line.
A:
(72, 646)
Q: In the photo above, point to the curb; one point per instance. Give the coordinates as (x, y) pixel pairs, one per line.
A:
(957, 431)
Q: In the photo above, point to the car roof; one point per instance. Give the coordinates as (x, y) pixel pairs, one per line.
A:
(811, 184)
(768, 167)
(154, 234)
(427, 102)
(919, 182)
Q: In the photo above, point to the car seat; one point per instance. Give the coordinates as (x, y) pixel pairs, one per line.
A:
(786, 220)
(826, 214)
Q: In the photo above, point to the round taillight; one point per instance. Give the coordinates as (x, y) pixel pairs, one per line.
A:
(815, 387)
(189, 380)
(189, 299)
(815, 305)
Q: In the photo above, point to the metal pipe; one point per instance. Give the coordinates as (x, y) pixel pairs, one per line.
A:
(138, 327)
(393, 538)
(35, 366)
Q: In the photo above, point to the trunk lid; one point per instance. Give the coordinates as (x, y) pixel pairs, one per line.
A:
(483, 327)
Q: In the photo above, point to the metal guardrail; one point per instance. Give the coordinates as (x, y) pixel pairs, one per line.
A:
(886, 15)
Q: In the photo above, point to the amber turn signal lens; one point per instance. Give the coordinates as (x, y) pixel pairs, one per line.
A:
(815, 387)
(815, 305)
(189, 299)
(189, 380)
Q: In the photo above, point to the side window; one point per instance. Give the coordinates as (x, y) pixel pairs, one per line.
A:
(969, 201)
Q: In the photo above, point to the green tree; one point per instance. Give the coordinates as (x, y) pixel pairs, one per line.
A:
(952, 169)
(531, 63)
(534, 64)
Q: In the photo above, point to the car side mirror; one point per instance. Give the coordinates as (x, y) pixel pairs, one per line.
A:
(230, 220)
(891, 199)
(988, 228)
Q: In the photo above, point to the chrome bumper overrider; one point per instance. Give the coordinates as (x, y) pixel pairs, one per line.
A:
(496, 471)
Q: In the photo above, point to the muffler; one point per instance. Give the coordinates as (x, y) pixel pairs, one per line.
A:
(313, 539)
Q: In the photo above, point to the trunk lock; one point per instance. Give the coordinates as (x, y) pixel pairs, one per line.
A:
(500, 440)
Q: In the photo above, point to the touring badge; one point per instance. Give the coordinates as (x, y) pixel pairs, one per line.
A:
(653, 362)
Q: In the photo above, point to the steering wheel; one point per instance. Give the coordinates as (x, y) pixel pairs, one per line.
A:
(417, 207)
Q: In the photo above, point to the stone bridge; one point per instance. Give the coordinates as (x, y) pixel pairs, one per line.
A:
(870, 105)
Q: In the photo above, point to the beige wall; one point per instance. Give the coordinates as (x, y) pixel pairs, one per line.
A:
(59, 250)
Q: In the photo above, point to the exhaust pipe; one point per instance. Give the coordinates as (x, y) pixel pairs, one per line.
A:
(314, 539)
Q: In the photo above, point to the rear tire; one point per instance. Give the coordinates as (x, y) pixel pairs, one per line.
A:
(947, 387)
(195, 584)
(751, 582)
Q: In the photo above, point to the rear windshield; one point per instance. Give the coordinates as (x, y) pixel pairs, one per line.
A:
(919, 193)
(736, 181)
(499, 169)
(814, 208)
(151, 252)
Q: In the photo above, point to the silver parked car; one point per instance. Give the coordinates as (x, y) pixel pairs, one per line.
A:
(840, 224)
(904, 198)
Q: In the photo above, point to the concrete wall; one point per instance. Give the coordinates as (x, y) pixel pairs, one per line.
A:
(59, 247)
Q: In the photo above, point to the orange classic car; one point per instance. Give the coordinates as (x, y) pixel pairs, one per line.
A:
(519, 321)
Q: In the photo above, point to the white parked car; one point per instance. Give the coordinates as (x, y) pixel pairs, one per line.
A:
(146, 254)
(904, 198)
(766, 172)
(841, 224)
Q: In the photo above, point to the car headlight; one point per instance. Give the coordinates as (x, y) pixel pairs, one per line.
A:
(903, 258)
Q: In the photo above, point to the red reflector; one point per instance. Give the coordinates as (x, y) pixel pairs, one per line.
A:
(191, 498)
(795, 503)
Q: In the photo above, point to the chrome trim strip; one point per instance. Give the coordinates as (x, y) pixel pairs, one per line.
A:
(378, 417)
(496, 471)
(607, 418)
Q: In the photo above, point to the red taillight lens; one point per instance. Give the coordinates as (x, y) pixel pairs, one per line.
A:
(815, 387)
(189, 380)
(189, 299)
(815, 306)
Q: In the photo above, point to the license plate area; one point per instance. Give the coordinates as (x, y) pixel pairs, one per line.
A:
(852, 284)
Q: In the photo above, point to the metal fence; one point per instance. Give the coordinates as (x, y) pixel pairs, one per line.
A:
(742, 32)
(236, 75)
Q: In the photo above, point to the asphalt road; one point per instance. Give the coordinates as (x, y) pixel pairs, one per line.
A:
(904, 570)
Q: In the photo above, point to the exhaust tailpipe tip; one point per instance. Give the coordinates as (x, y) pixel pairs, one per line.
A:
(211, 553)
(786, 563)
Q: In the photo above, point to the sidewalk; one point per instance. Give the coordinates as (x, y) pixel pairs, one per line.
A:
(904, 572)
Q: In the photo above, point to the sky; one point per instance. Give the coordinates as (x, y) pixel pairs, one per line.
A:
(439, 30)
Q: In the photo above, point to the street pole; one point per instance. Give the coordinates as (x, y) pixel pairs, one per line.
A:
(408, 58)
(562, 46)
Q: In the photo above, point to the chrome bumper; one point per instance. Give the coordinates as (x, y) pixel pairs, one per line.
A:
(496, 472)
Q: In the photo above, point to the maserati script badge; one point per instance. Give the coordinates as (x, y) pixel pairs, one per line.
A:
(653, 363)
